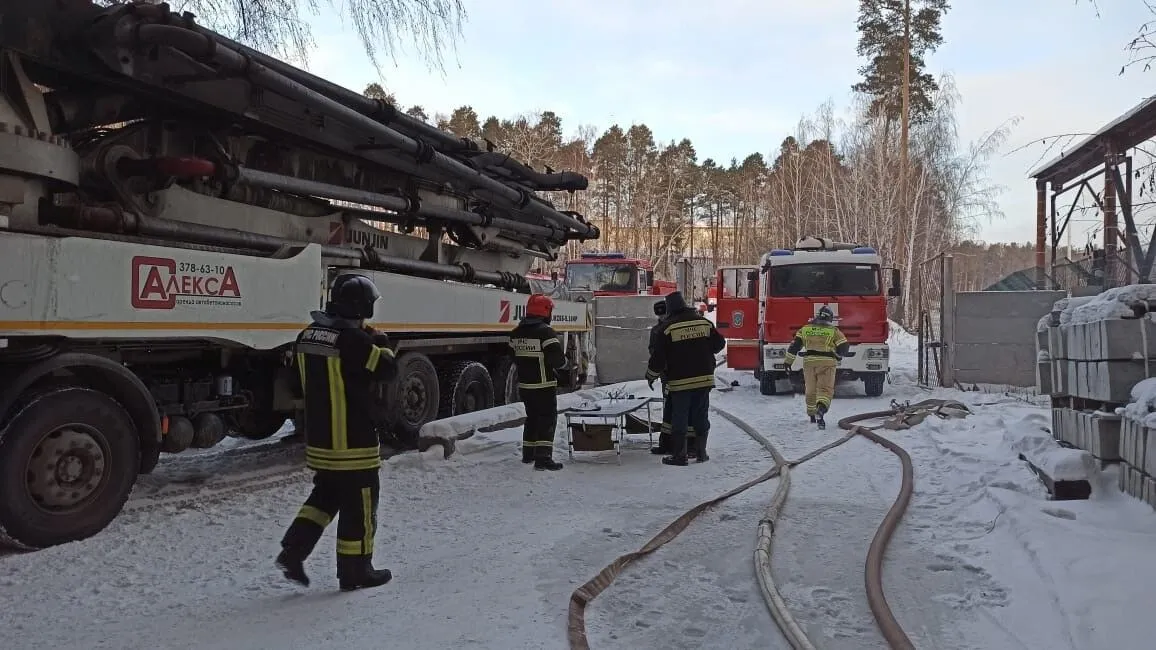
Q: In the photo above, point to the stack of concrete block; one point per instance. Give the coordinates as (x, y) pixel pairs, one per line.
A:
(1138, 460)
(1090, 353)
(1093, 431)
(1101, 360)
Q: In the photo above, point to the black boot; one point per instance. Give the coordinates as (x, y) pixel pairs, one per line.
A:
(663, 446)
(292, 566)
(358, 573)
(812, 418)
(699, 441)
(527, 454)
(819, 417)
(547, 464)
(678, 461)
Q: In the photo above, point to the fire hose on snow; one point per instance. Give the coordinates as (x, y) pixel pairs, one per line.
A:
(900, 416)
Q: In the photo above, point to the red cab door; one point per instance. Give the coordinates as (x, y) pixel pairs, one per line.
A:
(737, 314)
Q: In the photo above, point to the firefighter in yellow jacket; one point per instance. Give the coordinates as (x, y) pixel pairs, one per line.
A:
(821, 344)
(339, 358)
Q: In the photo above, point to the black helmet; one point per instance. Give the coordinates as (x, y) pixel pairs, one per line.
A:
(660, 308)
(825, 315)
(675, 303)
(352, 296)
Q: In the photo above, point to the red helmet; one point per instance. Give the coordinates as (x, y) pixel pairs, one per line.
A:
(540, 306)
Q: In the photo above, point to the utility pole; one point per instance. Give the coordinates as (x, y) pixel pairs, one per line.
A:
(905, 118)
(906, 208)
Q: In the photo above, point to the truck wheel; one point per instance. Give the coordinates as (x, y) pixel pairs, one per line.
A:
(414, 397)
(466, 387)
(68, 460)
(506, 382)
(873, 383)
(767, 384)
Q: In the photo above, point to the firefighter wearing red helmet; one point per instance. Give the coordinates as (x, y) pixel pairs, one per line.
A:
(538, 356)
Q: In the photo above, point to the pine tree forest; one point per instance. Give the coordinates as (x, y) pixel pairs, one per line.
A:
(836, 176)
(833, 177)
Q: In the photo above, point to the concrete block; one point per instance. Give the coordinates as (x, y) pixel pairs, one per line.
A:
(1150, 495)
(1056, 342)
(1124, 339)
(1107, 340)
(1103, 435)
(1122, 479)
(1064, 426)
(1146, 450)
(996, 363)
(1128, 435)
(1044, 384)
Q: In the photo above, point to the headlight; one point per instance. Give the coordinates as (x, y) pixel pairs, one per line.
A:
(775, 353)
(876, 353)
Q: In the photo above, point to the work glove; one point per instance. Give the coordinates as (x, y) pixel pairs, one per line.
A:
(650, 384)
(789, 361)
(380, 339)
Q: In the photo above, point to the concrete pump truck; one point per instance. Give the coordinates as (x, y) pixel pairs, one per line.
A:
(174, 204)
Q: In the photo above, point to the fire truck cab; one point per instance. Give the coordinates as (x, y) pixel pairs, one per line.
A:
(793, 284)
(614, 274)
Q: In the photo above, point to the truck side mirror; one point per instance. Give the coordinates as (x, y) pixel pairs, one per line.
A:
(894, 291)
(647, 279)
(752, 283)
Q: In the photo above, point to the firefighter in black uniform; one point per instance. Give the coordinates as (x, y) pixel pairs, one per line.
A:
(339, 358)
(683, 355)
(538, 356)
(663, 446)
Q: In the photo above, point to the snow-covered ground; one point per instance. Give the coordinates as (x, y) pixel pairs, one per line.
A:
(486, 552)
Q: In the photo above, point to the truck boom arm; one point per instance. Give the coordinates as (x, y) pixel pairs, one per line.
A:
(134, 87)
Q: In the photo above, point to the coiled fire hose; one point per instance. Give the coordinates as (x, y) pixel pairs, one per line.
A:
(898, 417)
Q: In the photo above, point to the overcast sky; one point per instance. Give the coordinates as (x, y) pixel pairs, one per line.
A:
(735, 76)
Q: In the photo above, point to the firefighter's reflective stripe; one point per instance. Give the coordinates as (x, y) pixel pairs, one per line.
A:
(691, 383)
(375, 355)
(301, 369)
(363, 546)
(340, 430)
(344, 459)
(315, 515)
(820, 343)
(686, 330)
(650, 374)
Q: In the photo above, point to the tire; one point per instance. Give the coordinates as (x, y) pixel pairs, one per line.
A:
(90, 434)
(873, 383)
(413, 396)
(506, 383)
(767, 384)
(466, 387)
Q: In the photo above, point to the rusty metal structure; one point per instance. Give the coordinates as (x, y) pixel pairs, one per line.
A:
(1104, 154)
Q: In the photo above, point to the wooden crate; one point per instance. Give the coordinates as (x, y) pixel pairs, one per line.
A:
(592, 437)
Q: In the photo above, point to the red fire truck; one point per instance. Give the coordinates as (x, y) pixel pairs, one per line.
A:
(761, 307)
(614, 274)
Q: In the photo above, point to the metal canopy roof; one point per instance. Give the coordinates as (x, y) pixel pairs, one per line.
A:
(1125, 132)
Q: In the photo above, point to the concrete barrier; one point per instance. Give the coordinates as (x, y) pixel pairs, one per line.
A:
(995, 335)
(621, 336)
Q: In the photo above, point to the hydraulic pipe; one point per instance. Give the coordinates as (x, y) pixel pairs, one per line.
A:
(111, 219)
(293, 185)
(375, 108)
(130, 33)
